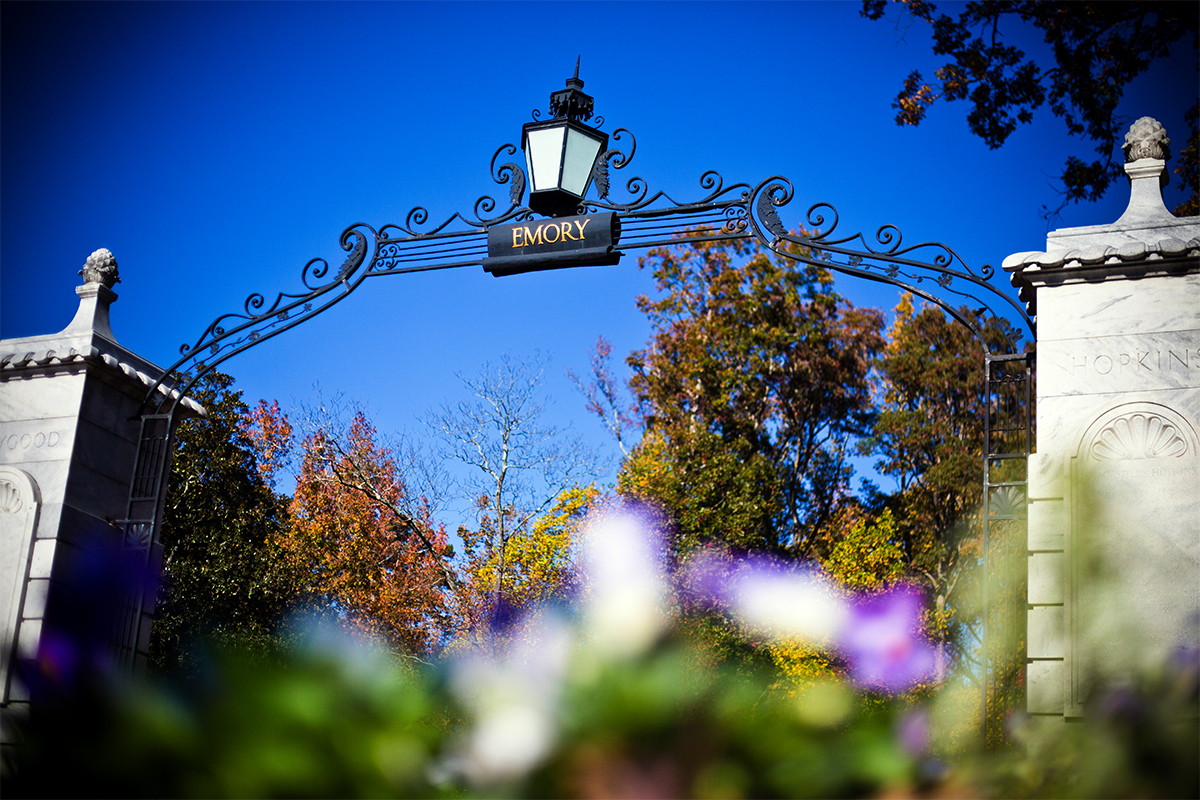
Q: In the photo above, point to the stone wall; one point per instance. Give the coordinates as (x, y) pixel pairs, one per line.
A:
(1114, 486)
(71, 587)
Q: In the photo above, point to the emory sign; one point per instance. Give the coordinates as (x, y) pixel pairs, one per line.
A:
(533, 245)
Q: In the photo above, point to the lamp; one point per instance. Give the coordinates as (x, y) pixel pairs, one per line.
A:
(561, 151)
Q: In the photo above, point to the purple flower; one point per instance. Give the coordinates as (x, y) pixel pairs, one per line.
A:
(912, 731)
(704, 579)
(883, 644)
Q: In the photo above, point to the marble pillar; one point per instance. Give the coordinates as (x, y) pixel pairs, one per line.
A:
(1114, 485)
(69, 433)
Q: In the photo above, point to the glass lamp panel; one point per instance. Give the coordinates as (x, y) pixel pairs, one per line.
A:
(543, 153)
(577, 164)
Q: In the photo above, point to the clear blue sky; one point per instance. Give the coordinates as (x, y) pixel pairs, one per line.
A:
(217, 147)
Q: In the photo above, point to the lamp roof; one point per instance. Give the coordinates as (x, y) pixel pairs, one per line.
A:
(572, 102)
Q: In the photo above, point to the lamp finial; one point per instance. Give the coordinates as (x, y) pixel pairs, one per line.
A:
(572, 102)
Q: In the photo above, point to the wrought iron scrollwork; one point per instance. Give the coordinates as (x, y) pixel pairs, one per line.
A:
(886, 259)
(619, 160)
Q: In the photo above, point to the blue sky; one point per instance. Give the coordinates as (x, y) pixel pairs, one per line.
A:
(216, 147)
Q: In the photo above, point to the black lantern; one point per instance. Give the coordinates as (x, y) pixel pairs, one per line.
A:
(561, 152)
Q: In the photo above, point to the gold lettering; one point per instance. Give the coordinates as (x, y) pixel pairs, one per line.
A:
(547, 233)
(566, 231)
(517, 235)
(581, 226)
(535, 237)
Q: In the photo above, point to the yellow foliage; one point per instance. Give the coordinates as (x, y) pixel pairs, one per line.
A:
(867, 554)
(800, 663)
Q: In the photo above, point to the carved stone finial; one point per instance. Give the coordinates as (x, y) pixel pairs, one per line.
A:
(100, 267)
(1146, 139)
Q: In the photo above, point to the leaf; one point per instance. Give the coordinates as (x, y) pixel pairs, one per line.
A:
(517, 191)
(770, 218)
(600, 175)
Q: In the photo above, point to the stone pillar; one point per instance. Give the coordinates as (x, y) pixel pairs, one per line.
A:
(1114, 486)
(69, 431)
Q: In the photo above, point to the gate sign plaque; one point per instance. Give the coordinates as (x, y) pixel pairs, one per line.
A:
(534, 245)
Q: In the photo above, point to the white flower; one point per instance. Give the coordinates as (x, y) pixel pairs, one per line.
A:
(783, 602)
(625, 605)
(514, 700)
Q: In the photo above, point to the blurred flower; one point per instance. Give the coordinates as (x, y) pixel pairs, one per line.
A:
(883, 644)
(704, 580)
(513, 699)
(625, 601)
(1184, 666)
(913, 732)
(1122, 705)
(785, 601)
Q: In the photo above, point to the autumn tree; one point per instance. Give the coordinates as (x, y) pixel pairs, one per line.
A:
(365, 543)
(929, 438)
(605, 397)
(223, 578)
(752, 389)
(1098, 48)
(519, 466)
(540, 559)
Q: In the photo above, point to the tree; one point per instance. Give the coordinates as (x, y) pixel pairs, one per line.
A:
(520, 465)
(222, 576)
(364, 542)
(1098, 47)
(604, 396)
(754, 384)
(540, 559)
(929, 436)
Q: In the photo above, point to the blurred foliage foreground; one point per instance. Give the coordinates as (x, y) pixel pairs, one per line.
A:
(611, 696)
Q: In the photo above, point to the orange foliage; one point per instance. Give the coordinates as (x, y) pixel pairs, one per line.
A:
(369, 550)
(271, 433)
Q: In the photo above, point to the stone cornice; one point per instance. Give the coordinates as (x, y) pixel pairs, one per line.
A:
(35, 356)
(1147, 240)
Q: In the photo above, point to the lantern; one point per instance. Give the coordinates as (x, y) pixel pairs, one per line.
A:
(561, 152)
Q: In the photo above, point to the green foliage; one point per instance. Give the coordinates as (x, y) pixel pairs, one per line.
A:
(929, 435)
(929, 432)
(331, 716)
(717, 491)
(328, 718)
(1098, 49)
(222, 576)
(666, 726)
(756, 378)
